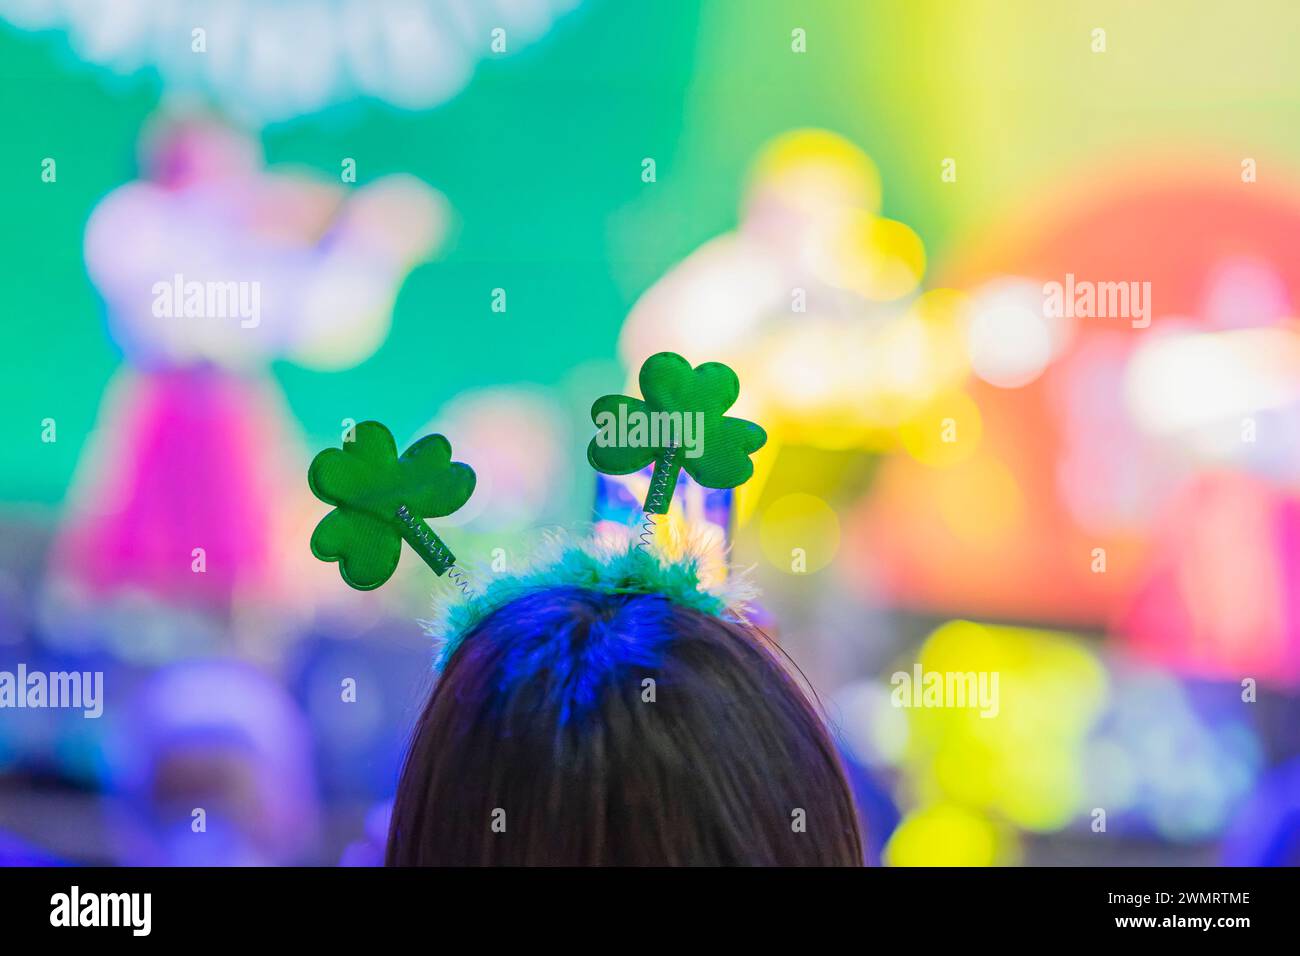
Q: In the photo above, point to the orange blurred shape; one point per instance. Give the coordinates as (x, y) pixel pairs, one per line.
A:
(1057, 530)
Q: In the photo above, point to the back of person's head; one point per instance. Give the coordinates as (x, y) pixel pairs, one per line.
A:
(577, 727)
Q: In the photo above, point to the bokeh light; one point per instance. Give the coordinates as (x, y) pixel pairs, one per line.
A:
(1101, 510)
(800, 533)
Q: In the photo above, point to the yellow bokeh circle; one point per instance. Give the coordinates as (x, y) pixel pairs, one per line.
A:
(880, 259)
(949, 835)
(799, 533)
(815, 170)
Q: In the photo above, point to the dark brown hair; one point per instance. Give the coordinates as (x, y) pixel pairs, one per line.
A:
(574, 727)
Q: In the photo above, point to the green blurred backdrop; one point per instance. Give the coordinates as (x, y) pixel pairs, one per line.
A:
(541, 155)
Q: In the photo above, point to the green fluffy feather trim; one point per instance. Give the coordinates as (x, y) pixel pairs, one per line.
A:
(617, 567)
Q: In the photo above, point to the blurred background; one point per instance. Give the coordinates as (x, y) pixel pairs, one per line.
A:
(477, 218)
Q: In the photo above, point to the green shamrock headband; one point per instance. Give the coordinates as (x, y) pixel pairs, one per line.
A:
(679, 426)
(381, 499)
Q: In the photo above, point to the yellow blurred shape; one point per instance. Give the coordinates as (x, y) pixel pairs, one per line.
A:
(746, 498)
(1024, 763)
(916, 357)
(814, 171)
(937, 316)
(949, 835)
(851, 383)
(814, 386)
(880, 259)
(942, 307)
(944, 432)
(799, 533)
